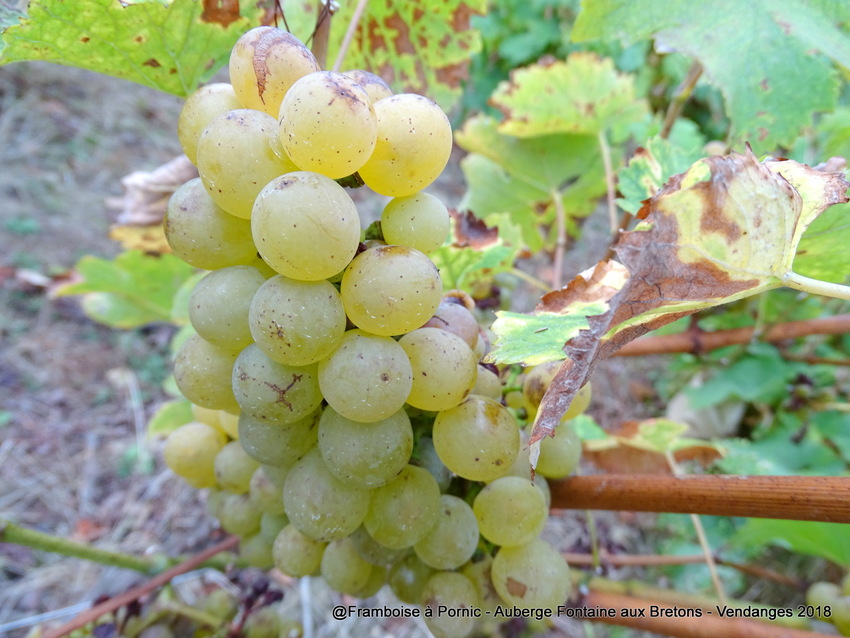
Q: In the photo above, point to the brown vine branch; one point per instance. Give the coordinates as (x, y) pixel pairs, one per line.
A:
(801, 498)
(145, 588)
(707, 626)
(680, 97)
(697, 341)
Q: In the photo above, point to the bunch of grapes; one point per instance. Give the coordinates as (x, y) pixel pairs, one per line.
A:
(342, 421)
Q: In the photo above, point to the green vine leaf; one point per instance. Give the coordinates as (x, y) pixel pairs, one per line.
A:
(784, 83)
(829, 540)
(584, 95)
(168, 417)
(172, 48)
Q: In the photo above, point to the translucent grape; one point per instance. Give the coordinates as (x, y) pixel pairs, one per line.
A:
(234, 468)
(218, 306)
(238, 515)
(203, 234)
(271, 524)
(374, 86)
(267, 496)
(478, 439)
(377, 579)
(342, 567)
(510, 511)
(237, 157)
(272, 391)
(454, 317)
(320, 505)
(537, 381)
(420, 221)
(444, 368)
(365, 454)
(454, 595)
(305, 226)
(453, 539)
(531, 576)
(407, 578)
(413, 147)
(403, 511)
(367, 379)
(202, 372)
(487, 384)
(328, 124)
(229, 423)
(278, 444)
(256, 551)
(428, 458)
(264, 63)
(201, 108)
(372, 551)
(559, 454)
(190, 453)
(297, 322)
(296, 554)
(391, 290)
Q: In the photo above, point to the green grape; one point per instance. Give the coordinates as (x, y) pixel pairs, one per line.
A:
(278, 445)
(403, 511)
(453, 602)
(210, 417)
(267, 496)
(238, 515)
(537, 382)
(390, 290)
(215, 498)
(510, 511)
(374, 86)
(201, 108)
(365, 454)
(452, 541)
(377, 579)
(559, 454)
(272, 524)
(367, 378)
(264, 63)
(229, 423)
(305, 226)
(478, 571)
(234, 468)
(478, 439)
(271, 391)
(420, 221)
(407, 578)
(262, 622)
(237, 157)
(413, 147)
(218, 306)
(372, 551)
(427, 457)
(821, 595)
(202, 372)
(296, 554)
(444, 368)
(342, 567)
(328, 124)
(190, 453)
(487, 384)
(531, 576)
(203, 234)
(319, 504)
(297, 322)
(256, 551)
(451, 315)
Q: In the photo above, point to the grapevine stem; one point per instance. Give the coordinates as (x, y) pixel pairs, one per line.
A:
(561, 241)
(610, 194)
(816, 286)
(680, 97)
(322, 32)
(349, 34)
(14, 533)
(531, 279)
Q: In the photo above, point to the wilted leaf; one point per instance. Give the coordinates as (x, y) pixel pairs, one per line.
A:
(584, 95)
(146, 193)
(172, 47)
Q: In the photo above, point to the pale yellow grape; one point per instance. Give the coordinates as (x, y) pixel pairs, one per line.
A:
(264, 63)
(413, 146)
(444, 368)
(190, 453)
(377, 579)
(531, 576)
(229, 423)
(487, 384)
(328, 124)
(559, 454)
(407, 578)
(203, 372)
(237, 158)
(219, 304)
(296, 322)
(296, 554)
(234, 468)
(390, 290)
(478, 439)
(305, 226)
(318, 504)
(455, 317)
(272, 391)
(202, 233)
(510, 511)
(372, 551)
(210, 417)
(429, 459)
(278, 445)
(366, 379)
(365, 454)
(238, 515)
(453, 539)
(404, 510)
(342, 567)
(267, 496)
(420, 221)
(201, 108)
(453, 601)
(374, 86)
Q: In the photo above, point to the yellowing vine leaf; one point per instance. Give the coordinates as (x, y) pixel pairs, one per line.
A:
(725, 229)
